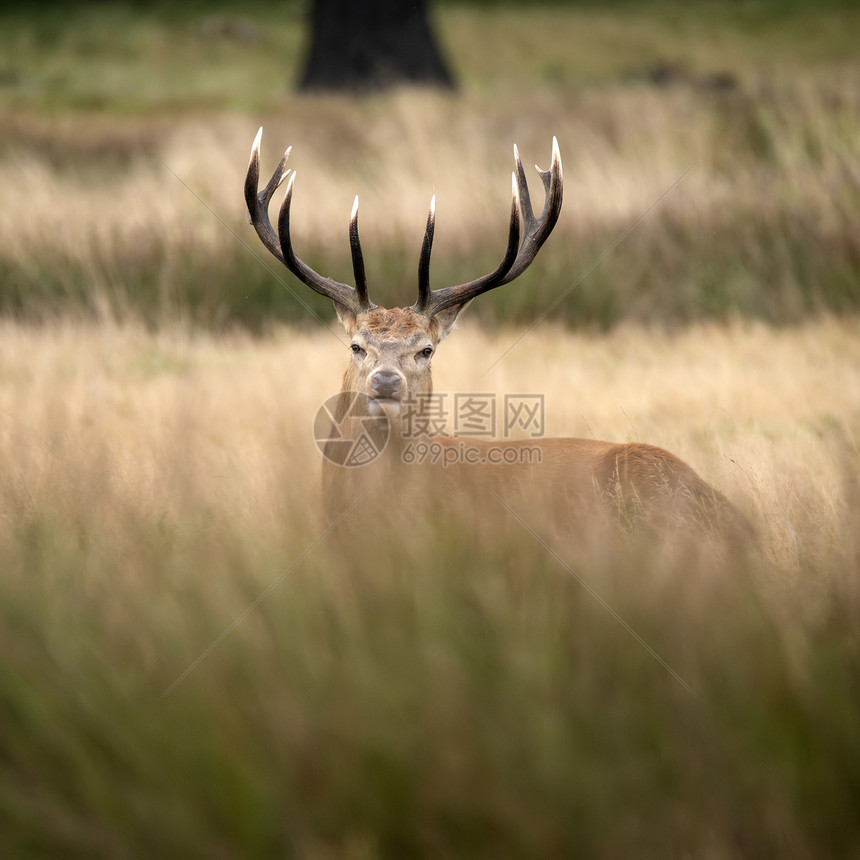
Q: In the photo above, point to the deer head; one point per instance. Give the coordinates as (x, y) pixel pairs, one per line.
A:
(391, 349)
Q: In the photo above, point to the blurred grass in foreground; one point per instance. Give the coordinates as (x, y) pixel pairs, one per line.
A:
(434, 690)
(760, 103)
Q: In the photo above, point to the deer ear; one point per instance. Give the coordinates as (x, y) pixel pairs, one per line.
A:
(346, 317)
(447, 319)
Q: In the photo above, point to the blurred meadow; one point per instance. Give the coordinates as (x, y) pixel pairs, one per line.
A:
(439, 690)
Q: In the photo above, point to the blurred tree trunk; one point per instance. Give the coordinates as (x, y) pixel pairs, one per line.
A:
(364, 45)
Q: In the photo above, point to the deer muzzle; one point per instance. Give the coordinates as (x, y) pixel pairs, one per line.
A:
(386, 385)
(386, 390)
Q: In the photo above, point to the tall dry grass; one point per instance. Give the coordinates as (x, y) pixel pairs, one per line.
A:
(122, 219)
(431, 691)
(146, 424)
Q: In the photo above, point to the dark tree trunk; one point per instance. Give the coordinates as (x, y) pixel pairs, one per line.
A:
(364, 45)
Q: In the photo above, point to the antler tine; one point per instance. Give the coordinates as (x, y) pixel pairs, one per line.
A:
(431, 302)
(424, 259)
(537, 230)
(357, 258)
(280, 244)
(258, 204)
(353, 300)
(519, 255)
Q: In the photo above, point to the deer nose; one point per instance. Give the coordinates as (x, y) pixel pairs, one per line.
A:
(383, 383)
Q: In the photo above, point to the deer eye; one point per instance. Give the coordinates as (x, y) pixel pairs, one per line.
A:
(427, 351)
(357, 350)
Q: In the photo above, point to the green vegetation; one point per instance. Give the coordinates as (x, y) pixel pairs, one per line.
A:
(128, 58)
(455, 697)
(426, 685)
(104, 108)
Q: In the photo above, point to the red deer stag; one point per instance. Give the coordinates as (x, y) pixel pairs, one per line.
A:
(391, 351)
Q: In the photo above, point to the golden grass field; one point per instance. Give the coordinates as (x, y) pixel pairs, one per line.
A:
(173, 423)
(157, 486)
(191, 663)
(123, 415)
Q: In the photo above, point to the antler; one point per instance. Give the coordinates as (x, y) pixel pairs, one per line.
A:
(355, 300)
(518, 256)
